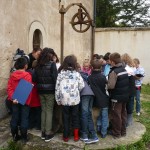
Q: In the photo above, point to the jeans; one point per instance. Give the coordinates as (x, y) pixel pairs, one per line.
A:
(70, 113)
(130, 105)
(47, 104)
(87, 125)
(20, 115)
(138, 102)
(34, 119)
(102, 120)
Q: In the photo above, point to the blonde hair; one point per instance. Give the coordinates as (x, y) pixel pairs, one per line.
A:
(86, 62)
(127, 60)
(136, 61)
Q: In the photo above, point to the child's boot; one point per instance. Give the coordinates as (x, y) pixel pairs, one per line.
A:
(24, 135)
(15, 135)
(76, 134)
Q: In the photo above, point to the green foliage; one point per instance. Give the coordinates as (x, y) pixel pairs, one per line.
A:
(11, 146)
(121, 13)
(146, 89)
(120, 148)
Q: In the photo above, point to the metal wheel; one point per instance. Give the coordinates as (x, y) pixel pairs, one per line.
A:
(81, 21)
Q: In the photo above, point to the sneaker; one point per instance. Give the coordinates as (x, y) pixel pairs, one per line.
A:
(66, 139)
(84, 139)
(90, 141)
(49, 137)
(138, 114)
(43, 136)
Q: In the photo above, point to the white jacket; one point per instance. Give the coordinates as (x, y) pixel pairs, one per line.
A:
(68, 87)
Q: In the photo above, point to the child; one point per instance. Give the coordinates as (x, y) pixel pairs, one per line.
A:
(98, 82)
(139, 74)
(118, 85)
(86, 104)
(35, 105)
(107, 65)
(20, 113)
(57, 117)
(68, 86)
(86, 67)
(34, 55)
(129, 67)
(45, 76)
(56, 60)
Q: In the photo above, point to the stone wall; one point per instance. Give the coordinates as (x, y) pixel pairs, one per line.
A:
(19, 20)
(134, 41)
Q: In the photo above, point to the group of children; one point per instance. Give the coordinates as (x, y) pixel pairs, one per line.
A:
(108, 82)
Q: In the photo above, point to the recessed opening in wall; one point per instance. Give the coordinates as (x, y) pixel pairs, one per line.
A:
(37, 39)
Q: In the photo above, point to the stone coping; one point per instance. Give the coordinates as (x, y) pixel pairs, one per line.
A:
(122, 29)
(134, 134)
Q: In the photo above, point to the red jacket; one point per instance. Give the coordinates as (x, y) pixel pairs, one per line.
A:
(14, 80)
(35, 99)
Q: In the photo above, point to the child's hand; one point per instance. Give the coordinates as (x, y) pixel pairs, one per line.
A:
(15, 101)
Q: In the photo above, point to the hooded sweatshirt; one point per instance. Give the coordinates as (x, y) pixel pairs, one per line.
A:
(68, 87)
(13, 81)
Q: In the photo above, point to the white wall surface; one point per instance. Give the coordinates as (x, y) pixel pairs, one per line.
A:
(134, 41)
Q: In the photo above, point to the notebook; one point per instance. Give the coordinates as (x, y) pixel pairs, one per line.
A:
(22, 91)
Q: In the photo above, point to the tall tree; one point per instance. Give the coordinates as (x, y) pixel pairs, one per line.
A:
(112, 13)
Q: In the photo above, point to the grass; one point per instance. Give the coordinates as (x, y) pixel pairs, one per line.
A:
(146, 89)
(11, 146)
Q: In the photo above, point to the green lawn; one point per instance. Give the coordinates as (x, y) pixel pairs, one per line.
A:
(146, 89)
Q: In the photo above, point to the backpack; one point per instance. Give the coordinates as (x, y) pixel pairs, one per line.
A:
(19, 53)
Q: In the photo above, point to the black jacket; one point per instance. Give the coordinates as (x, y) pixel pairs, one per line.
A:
(98, 82)
(45, 76)
(132, 88)
(31, 59)
(121, 89)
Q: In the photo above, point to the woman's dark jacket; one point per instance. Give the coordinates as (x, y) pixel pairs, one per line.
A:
(45, 76)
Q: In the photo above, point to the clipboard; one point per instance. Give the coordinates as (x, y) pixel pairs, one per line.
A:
(22, 91)
(139, 75)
